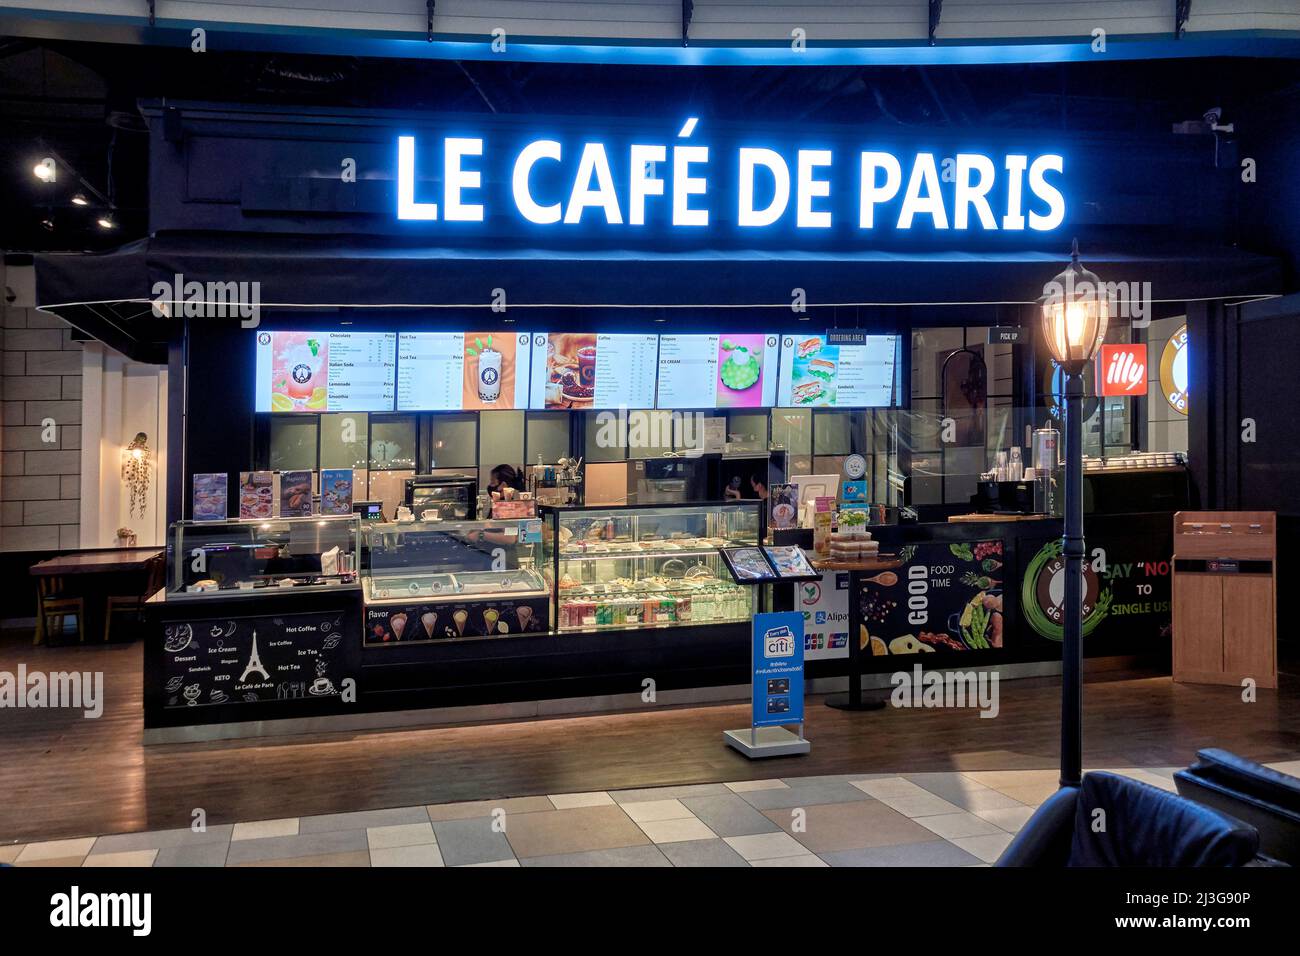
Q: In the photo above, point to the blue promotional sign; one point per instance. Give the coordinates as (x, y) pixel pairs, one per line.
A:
(777, 658)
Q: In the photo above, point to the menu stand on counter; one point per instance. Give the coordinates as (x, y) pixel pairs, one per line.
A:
(856, 569)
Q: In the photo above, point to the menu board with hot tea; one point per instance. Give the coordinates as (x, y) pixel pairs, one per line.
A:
(584, 370)
(721, 370)
(326, 371)
(254, 659)
(816, 372)
(462, 371)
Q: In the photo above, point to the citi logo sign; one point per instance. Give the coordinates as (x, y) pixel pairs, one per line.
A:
(778, 642)
(1123, 370)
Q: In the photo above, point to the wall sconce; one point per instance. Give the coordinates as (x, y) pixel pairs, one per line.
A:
(137, 472)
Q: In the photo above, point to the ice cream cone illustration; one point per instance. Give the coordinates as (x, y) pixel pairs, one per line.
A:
(398, 624)
(460, 617)
(490, 619)
(428, 619)
(525, 615)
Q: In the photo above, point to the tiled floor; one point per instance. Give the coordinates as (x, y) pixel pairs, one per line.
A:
(922, 819)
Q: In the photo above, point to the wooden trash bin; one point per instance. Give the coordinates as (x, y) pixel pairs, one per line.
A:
(1225, 597)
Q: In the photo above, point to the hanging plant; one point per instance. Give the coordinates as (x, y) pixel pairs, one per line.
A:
(137, 470)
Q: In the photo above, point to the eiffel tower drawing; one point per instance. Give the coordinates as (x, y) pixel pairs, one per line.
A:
(254, 664)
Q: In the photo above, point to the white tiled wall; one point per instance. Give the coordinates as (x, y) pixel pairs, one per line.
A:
(40, 484)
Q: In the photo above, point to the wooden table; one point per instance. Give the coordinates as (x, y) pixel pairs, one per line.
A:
(98, 574)
(857, 571)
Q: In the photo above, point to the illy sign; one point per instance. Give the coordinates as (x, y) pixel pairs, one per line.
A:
(1122, 369)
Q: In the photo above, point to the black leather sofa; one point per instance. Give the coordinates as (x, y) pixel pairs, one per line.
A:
(1266, 799)
(1115, 821)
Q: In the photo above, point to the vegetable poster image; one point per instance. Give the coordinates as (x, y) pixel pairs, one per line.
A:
(944, 597)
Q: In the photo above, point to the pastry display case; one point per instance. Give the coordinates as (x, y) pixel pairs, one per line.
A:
(426, 581)
(237, 557)
(625, 568)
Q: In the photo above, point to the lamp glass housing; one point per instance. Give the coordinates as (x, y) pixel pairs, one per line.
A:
(1076, 312)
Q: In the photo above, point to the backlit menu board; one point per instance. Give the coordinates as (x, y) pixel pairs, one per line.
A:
(462, 371)
(720, 370)
(817, 373)
(592, 370)
(325, 371)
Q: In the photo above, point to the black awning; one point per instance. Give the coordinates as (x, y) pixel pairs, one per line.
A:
(108, 295)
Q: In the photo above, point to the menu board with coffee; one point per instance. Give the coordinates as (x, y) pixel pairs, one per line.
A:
(722, 370)
(462, 371)
(222, 661)
(583, 370)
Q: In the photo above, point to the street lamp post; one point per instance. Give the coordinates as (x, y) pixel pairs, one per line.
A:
(1075, 315)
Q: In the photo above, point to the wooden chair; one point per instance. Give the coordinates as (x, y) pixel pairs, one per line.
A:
(53, 604)
(115, 604)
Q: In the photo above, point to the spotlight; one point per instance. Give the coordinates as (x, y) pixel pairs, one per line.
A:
(80, 200)
(45, 170)
(48, 224)
(106, 222)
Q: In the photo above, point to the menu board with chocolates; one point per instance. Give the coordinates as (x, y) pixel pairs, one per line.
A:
(222, 661)
(325, 371)
(583, 370)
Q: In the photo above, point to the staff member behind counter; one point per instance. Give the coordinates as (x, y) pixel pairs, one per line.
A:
(757, 488)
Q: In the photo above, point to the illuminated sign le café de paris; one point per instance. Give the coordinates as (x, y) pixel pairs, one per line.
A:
(687, 184)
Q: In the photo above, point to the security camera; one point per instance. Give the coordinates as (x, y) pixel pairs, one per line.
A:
(1213, 115)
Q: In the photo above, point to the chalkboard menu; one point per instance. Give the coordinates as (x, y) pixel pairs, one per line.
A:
(223, 661)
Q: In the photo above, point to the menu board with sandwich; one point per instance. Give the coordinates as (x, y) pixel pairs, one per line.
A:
(584, 370)
(721, 370)
(815, 372)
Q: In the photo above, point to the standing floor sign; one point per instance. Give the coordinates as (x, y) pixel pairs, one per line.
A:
(776, 655)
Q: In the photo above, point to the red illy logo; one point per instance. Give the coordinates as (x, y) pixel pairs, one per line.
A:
(1123, 369)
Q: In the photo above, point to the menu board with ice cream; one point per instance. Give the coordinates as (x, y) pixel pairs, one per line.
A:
(593, 370)
(462, 371)
(723, 370)
(817, 373)
(326, 371)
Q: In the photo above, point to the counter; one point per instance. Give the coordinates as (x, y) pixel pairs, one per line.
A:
(453, 614)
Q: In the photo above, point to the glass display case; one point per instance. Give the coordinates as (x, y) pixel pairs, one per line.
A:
(427, 581)
(224, 558)
(650, 566)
